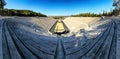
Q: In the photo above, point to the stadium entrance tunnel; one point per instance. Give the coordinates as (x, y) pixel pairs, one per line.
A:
(59, 28)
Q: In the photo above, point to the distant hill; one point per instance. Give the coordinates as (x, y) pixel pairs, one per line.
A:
(26, 13)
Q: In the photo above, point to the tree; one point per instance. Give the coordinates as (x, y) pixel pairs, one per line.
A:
(29, 13)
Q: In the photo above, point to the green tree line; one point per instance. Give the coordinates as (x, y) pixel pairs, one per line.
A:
(87, 15)
(104, 13)
(13, 12)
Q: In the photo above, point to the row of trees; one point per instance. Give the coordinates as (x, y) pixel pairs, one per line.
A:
(111, 13)
(87, 15)
(13, 12)
(59, 17)
(29, 13)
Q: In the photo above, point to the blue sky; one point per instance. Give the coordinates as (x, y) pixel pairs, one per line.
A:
(61, 7)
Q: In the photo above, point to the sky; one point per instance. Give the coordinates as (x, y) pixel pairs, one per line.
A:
(61, 7)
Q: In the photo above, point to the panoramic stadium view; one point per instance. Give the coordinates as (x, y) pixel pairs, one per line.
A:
(59, 29)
